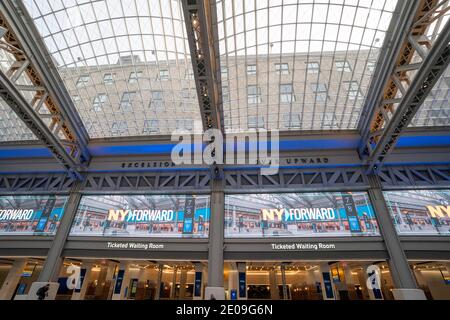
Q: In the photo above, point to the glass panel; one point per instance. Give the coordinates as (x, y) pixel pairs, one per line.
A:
(301, 43)
(143, 216)
(299, 215)
(435, 110)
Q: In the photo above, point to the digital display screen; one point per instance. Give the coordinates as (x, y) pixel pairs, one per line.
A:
(420, 212)
(323, 214)
(31, 215)
(176, 216)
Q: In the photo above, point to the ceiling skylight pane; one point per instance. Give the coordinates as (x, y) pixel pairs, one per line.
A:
(296, 35)
(99, 37)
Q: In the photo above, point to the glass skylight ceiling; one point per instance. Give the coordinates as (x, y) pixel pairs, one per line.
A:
(435, 111)
(126, 64)
(298, 65)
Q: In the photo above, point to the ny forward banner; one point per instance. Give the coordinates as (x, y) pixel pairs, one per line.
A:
(420, 212)
(31, 215)
(155, 216)
(325, 214)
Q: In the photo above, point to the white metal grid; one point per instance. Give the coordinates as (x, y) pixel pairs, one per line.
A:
(300, 34)
(101, 37)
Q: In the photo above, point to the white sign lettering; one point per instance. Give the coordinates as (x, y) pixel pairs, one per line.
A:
(303, 246)
(16, 214)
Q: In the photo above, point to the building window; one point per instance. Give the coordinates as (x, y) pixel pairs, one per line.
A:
(151, 126)
(282, 68)
(189, 74)
(343, 66)
(312, 67)
(76, 98)
(227, 121)
(447, 81)
(119, 127)
(127, 100)
(255, 122)
(83, 80)
(108, 78)
(320, 89)
(184, 124)
(130, 59)
(251, 69)
(286, 93)
(225, 94)
(371, 66)
(187, 97)
(157, 99)
(253, 94)
(135, 76)
(99, 100)
(164, 75)
(353, 90)
(291, 120)
(224, 72)
(187, 94)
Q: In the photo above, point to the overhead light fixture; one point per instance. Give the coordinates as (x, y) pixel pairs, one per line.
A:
(2, 32)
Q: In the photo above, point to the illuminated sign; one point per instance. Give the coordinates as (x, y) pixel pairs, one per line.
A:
(171, 216)
(16, 214)
(140, 215)
(134, 245)
(303, 214)
(303, 246)
(424, 212)
(439, 211)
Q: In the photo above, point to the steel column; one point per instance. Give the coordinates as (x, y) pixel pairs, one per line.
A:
(54, 259)
(216, 234)
(398, 264)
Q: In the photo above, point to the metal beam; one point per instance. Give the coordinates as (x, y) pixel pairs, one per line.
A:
(408, 86)
(393, 44)
(52, 103)
(200, 17)
(65, 155)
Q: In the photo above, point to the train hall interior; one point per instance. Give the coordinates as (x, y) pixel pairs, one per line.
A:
(225, 149)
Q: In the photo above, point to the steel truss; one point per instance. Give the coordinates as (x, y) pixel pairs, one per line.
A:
(414, 177)
(162, 182)
(296, 179)
(236, 181)
(199, 17)
(409, 83)
(35, 183)
(50, 114)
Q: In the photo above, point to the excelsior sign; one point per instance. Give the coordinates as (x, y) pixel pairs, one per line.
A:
(297, 214)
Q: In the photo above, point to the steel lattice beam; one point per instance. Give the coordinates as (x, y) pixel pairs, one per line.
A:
(409, 83)
(50, 115)
(200, 17)
(48, 136)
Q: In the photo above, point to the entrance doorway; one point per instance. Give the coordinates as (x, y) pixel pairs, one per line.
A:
(307, 280)
(109, 279)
